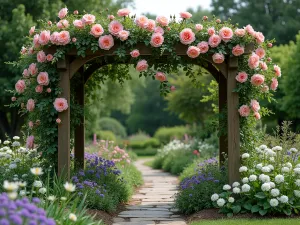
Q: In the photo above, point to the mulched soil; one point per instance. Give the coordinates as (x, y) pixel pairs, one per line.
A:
(106, 217)
(212, 214)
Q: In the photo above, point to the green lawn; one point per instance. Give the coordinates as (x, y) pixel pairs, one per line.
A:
(248, 222)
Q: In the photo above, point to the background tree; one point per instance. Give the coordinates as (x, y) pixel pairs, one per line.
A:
(276, 19)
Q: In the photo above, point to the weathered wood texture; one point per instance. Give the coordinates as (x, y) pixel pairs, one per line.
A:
(223, 140)
(64, 128)
(233, 122)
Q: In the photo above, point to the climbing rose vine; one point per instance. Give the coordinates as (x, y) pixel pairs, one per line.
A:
(37, 92)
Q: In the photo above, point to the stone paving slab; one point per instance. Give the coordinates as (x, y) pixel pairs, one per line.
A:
(154, 202)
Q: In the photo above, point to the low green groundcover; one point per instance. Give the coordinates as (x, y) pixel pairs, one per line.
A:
(248, 222)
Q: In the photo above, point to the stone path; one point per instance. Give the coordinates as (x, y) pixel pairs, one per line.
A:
(153, 203)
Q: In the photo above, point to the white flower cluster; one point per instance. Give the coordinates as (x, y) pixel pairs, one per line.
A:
(173, 146)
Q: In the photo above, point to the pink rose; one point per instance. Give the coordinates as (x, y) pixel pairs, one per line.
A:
(203, 46)
(30, 51)
(240, 32)
(49, 57)
(187, 36)
(172, 88)
(270, 45)
(257, 79)
(31, 31)
(43, 78)
(253, 61)
(30, 105)
(23, 50)
(20, 86)
(62, 13)
(49, 23)
(263, 65)
(111, 17)
(33, 69)
(269, 59)
(218, 21)
(60, 104)
(185, 15)
(39, 89)
(257, 116)
(97, 30)
(115, 27)
(30, 142)
(277, 71)
(238, 50)
(162, 20)
(106, 42)
(226, 34)
(211, 31)
(13, 99)
(48, 90)
(36, 38)
(60, 25)
(255, 105)
(54, 37)
(63, 38)
(198, 27)
(142, 65)
(135, 53)
(157, 40)
(205, 17)
(159, 30)
(218, 58)
(44, 37)
(123, 12)
(142, 21)
(75, 12)
(242, 77)
(123, 35)
(244, 111)
(260, 52)
(78, 24)
(151, 25)
(250, 30)
(58, 121)
(193, 52)
(26, 73)
(160, 76)
(264, 88)
(260, 38)
(30, 124)
(214, 40)
(63, 24)
(74, 39)
(88, 19)
(274, 84)
(41, 56)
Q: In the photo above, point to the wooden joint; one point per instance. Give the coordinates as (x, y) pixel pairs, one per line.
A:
(233, 62)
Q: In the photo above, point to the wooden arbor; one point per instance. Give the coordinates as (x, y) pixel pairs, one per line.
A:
(223, 73)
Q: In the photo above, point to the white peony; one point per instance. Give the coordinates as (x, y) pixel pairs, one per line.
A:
(16, 138)
(283, 199)
(265, 187)
(263, 147)
(226, 187)
(42, 190)
(37, 184)
(236, 190)
(259, 166)
(277, 148)
(297, 170)
(297, 166)
(231, 199)
(274, 202)
(245, 155)
(297, 193)
(279, 179)
(294, 150)
(252, 177)
(246, 188)
(271, 167)
(245, 180)
(297, 182)
(235, 184)
(275, 192)
(214, 197)
(272, 184)
(266, 169)
(6, 142)
(69, 187)
(264, 178)
(285, 169)
(221, 202)
(243, 169)
(272, 159)
(289, 165)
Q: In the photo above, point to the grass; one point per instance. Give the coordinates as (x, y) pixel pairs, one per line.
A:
(248, 222)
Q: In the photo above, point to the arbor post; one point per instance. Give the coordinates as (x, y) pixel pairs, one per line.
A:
(64, 128)
(79, 130)
(223, 140)
(233, 123)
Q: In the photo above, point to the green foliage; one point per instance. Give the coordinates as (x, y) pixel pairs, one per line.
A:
(191, 169)
(247, 222)
(140, 136)
(106, 135)
(276, 19)
(112, 125)
(149, 151)
(150, 142)
(197, 187)
(132, 176)
(165, 134)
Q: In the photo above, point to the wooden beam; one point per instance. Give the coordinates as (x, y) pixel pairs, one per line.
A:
(64, 127)
(223, 143)
(233, 122)
(79, 130)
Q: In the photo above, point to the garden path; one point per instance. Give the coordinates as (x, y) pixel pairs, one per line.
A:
(153, 202)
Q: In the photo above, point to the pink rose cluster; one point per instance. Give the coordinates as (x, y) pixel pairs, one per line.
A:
(60, 104)
(245, 110)
(60, 38)
(259, 37)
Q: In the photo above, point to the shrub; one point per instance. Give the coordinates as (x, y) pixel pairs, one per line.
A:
(111, 124)
(106, 135)
(140, 136)
(140, 144)
(195, 191)
(191, 169)
(166, 134)
(145, 152)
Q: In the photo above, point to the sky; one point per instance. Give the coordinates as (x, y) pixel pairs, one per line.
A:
(167, 7)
